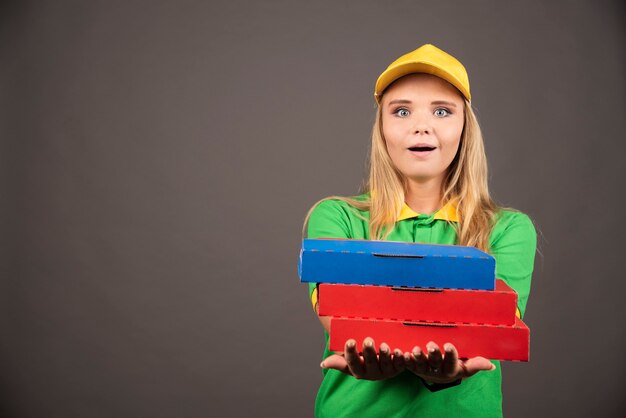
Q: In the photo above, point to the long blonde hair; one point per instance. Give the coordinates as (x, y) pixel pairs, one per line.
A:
(465, 185)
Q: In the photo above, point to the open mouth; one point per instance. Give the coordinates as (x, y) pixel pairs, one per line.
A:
(422, 148)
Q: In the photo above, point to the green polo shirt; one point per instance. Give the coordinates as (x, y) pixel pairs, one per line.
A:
(513, 244)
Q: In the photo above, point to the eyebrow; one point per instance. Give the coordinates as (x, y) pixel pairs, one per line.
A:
(436, 102)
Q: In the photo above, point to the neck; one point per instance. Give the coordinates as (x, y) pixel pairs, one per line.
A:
(423, 197)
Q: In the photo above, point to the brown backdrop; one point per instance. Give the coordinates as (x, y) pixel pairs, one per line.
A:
(158, 159)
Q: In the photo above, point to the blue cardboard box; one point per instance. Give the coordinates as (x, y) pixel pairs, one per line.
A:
(389, 263)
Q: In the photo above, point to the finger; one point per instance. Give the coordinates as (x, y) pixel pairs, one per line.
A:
(408, 359)
(476, 364)
(398, 360)
(410, 362)
(421, 362)
(369, 355)
(434, 357)
(385, 359)
(353, 359)
(336, 362)
(449, 366)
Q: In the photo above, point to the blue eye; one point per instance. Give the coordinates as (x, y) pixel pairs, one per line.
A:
(402, 112)
(441, 112)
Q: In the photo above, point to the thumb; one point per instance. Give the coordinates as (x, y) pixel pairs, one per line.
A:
(335, 361)
(475, 365)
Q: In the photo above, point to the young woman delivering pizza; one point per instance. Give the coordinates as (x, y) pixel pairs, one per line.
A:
(427, 183)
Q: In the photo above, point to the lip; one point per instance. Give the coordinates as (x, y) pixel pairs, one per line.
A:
(422, 145)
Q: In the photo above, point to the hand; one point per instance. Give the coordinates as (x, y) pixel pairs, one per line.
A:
(369, 366)
(435, 368)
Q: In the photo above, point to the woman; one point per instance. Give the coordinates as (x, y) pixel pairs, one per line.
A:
(427, 183)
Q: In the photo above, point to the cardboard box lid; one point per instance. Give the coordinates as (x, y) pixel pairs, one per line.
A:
(395, 264)
(419, 304)
(495, 342)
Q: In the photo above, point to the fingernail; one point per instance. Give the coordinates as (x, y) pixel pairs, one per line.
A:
(493, 367)
(447, 348)
(351, 344)
(322, 365)
(368, 343)
(416, 352)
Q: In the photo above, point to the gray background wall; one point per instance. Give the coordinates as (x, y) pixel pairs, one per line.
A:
(158, 158)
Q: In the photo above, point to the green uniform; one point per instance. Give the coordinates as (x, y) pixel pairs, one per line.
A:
(513, 244)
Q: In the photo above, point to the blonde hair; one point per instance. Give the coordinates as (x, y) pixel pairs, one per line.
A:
(465, 186)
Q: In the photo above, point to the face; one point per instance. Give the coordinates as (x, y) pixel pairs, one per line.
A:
(422, 119)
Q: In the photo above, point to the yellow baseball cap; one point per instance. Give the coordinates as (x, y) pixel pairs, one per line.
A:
(425, 59)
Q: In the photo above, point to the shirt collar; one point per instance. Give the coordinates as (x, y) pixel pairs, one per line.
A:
(447, 213)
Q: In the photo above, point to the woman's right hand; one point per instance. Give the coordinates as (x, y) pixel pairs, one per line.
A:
(369, 366)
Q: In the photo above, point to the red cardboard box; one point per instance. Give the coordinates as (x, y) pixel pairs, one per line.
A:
(495, 342)
(495, 307)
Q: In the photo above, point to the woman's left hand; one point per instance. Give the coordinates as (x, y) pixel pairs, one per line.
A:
(435, 367)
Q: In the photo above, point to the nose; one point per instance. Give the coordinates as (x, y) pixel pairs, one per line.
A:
(422, 128)
(421, 125)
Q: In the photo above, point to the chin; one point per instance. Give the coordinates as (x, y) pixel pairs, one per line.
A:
(424, 177)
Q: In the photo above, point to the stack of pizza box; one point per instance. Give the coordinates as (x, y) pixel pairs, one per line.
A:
(407, 294)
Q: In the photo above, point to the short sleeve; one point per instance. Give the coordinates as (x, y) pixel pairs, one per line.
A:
(513, 244)
(328, 220)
